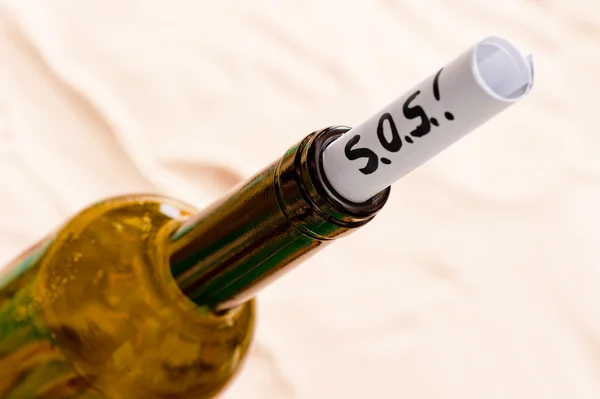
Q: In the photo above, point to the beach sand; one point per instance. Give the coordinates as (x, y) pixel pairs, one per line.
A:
(480, 278)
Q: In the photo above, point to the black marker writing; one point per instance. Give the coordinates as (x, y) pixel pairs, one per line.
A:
(412, 112)
(352, 154)
(436, 86)
(436, 94)
(394, 143)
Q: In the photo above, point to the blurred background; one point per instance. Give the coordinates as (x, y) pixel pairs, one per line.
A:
(480, 279)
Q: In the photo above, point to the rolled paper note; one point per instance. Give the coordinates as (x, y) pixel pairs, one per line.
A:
(473, 88)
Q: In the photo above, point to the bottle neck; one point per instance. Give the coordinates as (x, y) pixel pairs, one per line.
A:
(222, 256)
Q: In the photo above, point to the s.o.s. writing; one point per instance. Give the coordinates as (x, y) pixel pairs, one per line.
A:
(389, 138)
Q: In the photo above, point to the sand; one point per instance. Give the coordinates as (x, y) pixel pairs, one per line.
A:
(480, 279)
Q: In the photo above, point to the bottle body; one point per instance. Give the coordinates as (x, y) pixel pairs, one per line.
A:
(94, 312)
(136, 298)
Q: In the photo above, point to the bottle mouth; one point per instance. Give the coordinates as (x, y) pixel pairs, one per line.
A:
(324, 194)
(502, 70)
(222, 256)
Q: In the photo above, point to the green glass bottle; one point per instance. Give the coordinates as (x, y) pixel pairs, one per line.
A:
(143, 297)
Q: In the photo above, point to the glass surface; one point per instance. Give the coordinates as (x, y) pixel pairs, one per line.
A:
(93, 312)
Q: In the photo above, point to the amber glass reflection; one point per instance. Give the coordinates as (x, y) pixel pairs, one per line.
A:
(93, 312)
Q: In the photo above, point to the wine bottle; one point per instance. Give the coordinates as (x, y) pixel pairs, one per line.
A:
(145, 297)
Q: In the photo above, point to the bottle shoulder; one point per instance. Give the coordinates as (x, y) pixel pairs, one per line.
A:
(115, 310)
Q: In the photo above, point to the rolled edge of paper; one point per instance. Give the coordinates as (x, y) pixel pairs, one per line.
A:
(470, 90)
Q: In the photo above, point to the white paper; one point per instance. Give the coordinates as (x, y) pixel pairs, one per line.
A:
(453, 101)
